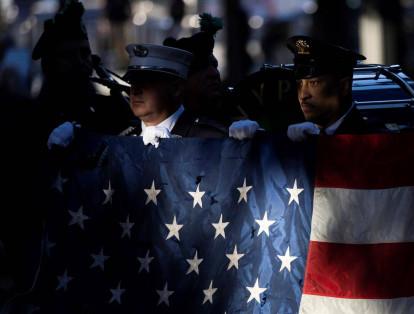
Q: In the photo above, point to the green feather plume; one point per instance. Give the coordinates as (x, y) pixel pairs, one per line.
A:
(210, 24)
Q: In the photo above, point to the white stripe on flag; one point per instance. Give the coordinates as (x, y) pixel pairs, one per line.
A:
(363, 216)
(314, 304)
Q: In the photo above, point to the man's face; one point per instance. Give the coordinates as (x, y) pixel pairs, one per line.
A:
(211, 78)
(204, 84)
(149, 97)
(320, 99)
(144, 99)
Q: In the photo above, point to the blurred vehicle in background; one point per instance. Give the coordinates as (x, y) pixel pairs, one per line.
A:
(386, 94)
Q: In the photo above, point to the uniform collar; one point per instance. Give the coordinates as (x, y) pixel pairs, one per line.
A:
(168, 123)
(330, 130)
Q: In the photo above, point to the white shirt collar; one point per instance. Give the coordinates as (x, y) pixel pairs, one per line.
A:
(168, 123)
(330, 130)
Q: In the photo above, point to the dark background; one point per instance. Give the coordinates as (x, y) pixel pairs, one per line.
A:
(254, 31)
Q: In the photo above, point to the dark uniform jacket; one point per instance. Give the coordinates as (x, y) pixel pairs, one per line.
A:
(354, 123)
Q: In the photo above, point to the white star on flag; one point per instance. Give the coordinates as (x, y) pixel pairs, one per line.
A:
(194, 263)
(220, 226)
(49, 245)
(116, 294)
(152, 194)
(108, 194)
(197, 195)
(99, 260)
(63, 281)
(286, 259)
(144, 262)
(78, 218)
(264, 224)
(208, 293)
(59, 182)
(234, 258)
(126, 228)
(294, 193)
(164, 295)
(255, 291)
(174, 229)
(243, 191)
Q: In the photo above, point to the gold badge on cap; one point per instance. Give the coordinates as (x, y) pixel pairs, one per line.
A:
(303, 47)
(140, 51)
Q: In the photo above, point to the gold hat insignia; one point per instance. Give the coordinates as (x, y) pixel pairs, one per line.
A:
(303, 47)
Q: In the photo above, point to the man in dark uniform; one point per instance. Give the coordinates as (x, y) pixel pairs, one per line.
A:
(157, 75)
(324, 83)
(67, 92)
(203, 87)
(204, 94)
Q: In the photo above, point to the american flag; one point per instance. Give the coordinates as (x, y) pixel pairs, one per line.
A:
(361, 253)
(224, 226)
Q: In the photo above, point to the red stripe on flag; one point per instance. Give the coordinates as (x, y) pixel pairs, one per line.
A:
(376, 161)
(360, 271)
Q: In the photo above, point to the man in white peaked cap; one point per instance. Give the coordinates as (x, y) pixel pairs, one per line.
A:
(156, 74)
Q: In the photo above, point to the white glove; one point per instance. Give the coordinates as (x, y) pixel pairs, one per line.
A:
(152, 135)
(62, 135)
(301, 131)
(243, 129)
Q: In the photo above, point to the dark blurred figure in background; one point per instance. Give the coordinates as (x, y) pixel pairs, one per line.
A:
(67, 93)
(238, 30)
(177, 11)
(66, 62)
(14, 70)
(275, 32)
(337, 23)
(5, 43)
(204, 94)
(118, 13)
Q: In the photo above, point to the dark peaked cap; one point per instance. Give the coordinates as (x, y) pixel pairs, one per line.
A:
(67, 25)
(313, 57)
(201, 44)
